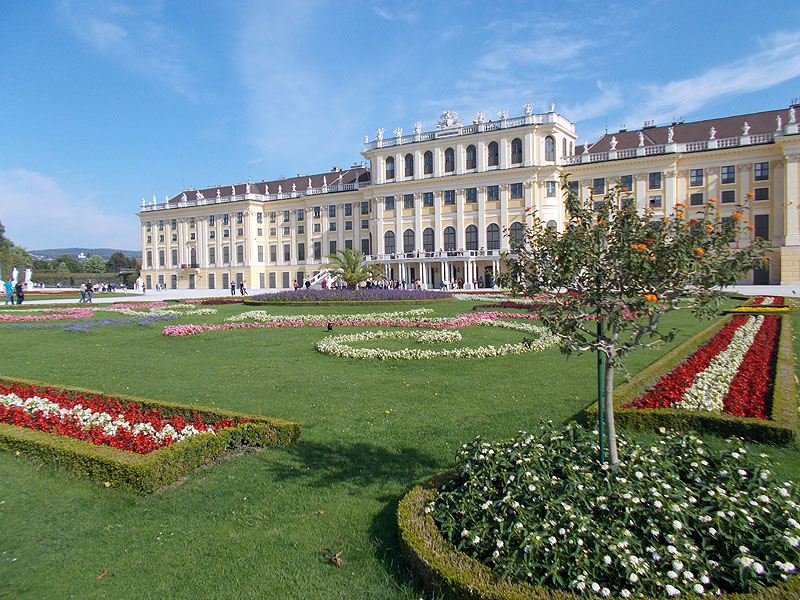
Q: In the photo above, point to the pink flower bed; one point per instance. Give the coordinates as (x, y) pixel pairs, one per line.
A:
(51, 314)
(137, 305)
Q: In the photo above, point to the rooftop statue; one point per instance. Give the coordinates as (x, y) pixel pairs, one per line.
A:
(398, 132)
(613, 142)
(641, 139)
(233, 190)
(528, 109)
(418, 127)
(745, 128)
(380, 134)
(218, 194)
(792, 116)
(503, 114)
(480, 117)
(779, 121)
(448, 118)
(247, 188)
(199, 195)
(712, 133)
(670, 135)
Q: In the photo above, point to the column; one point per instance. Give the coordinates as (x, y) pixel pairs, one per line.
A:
(482, 217)
(460, 219)
(792, 196)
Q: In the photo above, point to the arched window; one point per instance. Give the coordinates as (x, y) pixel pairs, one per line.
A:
(427, 239)
(449, 160)
(493, 237)
(472, 159)
(494, 154)
(517, 232)
(409, 165)
(390, 168)
(549, 148)
(388, 242)
(449, 238)
(551, 224)
(516, 151)
(471, 237)
(408, 240)
(428, 162)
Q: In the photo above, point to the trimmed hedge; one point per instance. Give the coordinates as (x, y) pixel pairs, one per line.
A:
(144, 473)
(455, 575)
(781, 429)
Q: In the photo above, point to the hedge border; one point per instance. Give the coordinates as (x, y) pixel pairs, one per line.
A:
(145, 473)
(781, 429)
(447, 571)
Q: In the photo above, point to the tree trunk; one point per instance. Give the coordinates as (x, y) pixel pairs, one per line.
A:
(608, 404)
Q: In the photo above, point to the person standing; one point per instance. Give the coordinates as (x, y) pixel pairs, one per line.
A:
(20, 292)
(243, 288)
(83, 292)
(233, 288)
(9, 285)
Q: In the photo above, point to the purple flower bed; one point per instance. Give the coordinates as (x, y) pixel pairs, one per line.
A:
(87, 325)
(360, 295)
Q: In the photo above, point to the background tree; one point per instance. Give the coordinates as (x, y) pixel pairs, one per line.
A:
(94, 264)
(624, 271)
(350, 267)
(73, 266)
(117, 262)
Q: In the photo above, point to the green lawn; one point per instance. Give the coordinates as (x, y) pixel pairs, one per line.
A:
(255, 526)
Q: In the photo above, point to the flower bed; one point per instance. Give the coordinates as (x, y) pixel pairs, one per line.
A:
(129, 442)
(50, 314)
(703, 381)
(538, 517)
(360, 295)
(763, 305)
(758, 404)
(97, 420)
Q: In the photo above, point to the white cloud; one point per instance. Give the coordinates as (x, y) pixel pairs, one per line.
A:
(37, 213)
(134, 36)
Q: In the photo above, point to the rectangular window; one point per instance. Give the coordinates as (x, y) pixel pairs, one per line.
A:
(574, 187)
(331, 247)
(348, 244)
(728, 196)
(240, 254)
(550, 189)
(261, 281)
(273, 231)
(332, 211)
(259, 217)
(696, 199)
(225, 219)
(173, 223)
(285, 277)
(364, 223)
(654, 181)
(332, 226)
(212, 234)
(317, 227)
(348, 210)
(286, 216)
(317, 212)
(301, 251)
(273, 253)
(273, 217)
(471, 195)
(240, 231)
(729, 174)
(761, 194)
(761, 223)
(427, 199)
(365, 246)
(626, 181)
(348, 225)
(317, 250)
(161, 238)
(597, 205)
(655, 201)
(260, 250)
(239, 218)
(598, 186)
(272, 282)
(365, 207)
(161, 225)
(192, 235)
(174, 237)
(287, 252)
(226, 254)
(211, 220)
(259, 232)
(449, 197)
(492, 192)
(301, 229)
(761, 171)
(408, 201)
(212, 254)
(148, 225)
(149, 238)
(149, 261)
(301, 214)
(287, 230)
(174, 257)
(388, 203)
(516, 190)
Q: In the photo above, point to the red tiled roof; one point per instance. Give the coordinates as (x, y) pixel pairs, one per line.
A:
(360, 174)
(760, 122)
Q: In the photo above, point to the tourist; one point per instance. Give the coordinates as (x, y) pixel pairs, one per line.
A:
(20, 292)
(295, 285)
(308, 283)
(89, 291)
(324, 284)
(243, 288)
(83, 292)
(233, 288)
(9, 290)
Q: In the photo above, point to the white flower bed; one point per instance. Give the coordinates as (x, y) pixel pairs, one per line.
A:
(262, 316)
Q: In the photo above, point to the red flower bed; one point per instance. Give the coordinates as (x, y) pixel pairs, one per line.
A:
(141, 442)
(750, 391)
(671, 387)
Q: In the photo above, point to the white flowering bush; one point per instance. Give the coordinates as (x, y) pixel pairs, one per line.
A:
(671, 519)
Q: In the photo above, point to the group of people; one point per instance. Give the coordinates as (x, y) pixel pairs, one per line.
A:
(87, 289)
(307, 284)
(14, 289)
(242, 288)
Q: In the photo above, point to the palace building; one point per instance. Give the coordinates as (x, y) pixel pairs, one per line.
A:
(442, 205)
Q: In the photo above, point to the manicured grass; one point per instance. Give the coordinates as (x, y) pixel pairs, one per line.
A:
(255, 526)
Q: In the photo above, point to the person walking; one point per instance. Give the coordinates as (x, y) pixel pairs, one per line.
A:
(243, 288)
(20, 292)
(89, 290)
(9, 285)
(83, 292)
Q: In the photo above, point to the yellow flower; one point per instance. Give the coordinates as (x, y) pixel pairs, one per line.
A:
(737, 215)
(749, 194)
(709, 228)
(712, 199)
(650, 297)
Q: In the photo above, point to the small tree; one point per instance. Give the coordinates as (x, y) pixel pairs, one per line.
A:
(613, 273)
(94, 264)
(350, 267)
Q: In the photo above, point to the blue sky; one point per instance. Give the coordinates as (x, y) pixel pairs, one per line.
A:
(105, 102)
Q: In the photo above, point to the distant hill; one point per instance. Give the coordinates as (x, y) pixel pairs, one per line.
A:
(105, 253)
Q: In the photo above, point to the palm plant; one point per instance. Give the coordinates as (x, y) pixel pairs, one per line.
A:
(349, 266)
